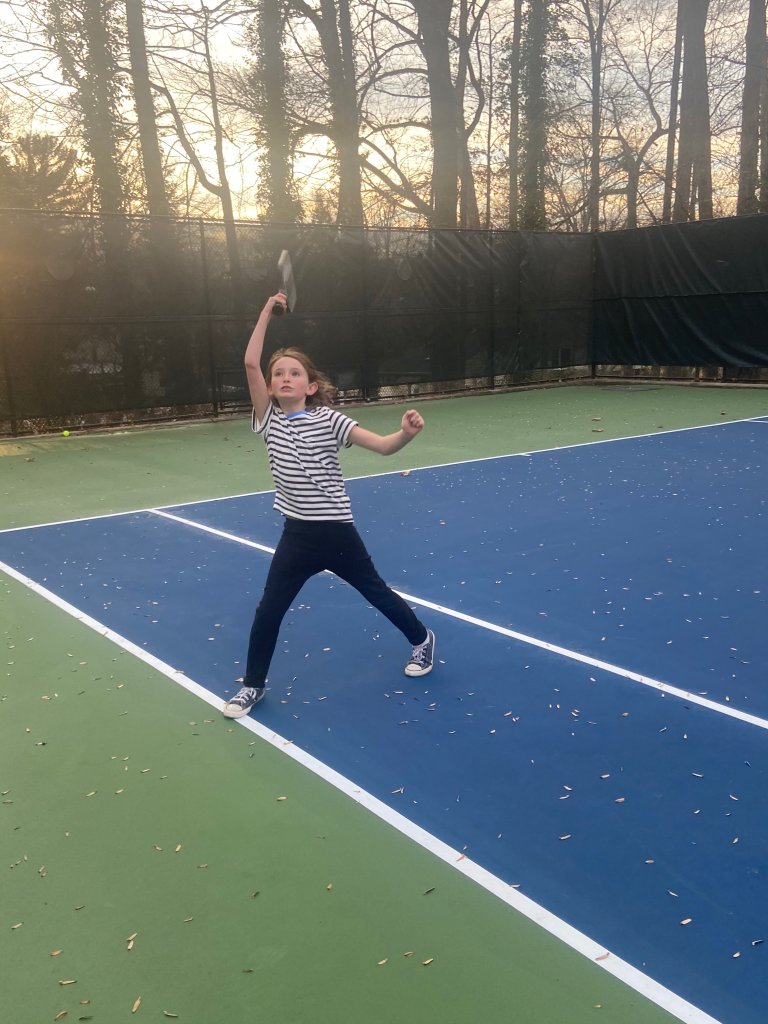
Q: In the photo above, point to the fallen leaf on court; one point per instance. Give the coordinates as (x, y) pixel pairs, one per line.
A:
(380, 963)
(757, 942)
(619, 799)
(167, 1013)
(92, 793)
(329, 886)
(603, 956)
(55, 952)
(61, 1015)
(697, 775)
(136, 1005)
(426, 963)
(686, 920)
(280, 798)
(178, 849)
(428, 891)
(15, 926)
(400, 790)
(69, 981)
(565, 837)
(734, 840)
(736, 955)
(409, 953)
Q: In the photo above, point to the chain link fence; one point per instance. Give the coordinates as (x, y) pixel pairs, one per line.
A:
(108, 320)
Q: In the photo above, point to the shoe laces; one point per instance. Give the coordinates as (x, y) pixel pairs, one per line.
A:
(244, 696)
(420, 650)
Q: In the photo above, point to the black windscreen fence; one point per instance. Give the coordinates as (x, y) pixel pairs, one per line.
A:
(107, 320)
(684, 295)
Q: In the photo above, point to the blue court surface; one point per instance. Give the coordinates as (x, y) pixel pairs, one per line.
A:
(595, 733)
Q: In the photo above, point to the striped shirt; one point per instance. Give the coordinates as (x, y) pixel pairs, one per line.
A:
(303, 456)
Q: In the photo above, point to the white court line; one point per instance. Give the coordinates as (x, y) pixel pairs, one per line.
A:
(578, 941)
(563, 652)
(397, 472)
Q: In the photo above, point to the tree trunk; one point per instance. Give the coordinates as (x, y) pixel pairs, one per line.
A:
(277, 188)
(749, 143)
(595, 29)
(154, 179)
(82, 29)
(434, 18)
(694, 164)
(334, 27)
(84, 42)
(674, 94)
(339, 53)
(469, 213)
(533, 214)
(514, 118)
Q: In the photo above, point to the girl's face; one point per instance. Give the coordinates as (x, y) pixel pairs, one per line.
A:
(290, 383)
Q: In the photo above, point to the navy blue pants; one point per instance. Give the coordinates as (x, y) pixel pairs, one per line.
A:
(305, 549)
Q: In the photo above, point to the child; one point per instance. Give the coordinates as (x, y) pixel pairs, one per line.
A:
(303, 435)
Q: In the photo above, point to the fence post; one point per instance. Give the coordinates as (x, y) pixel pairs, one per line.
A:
(491, 309)
(7, 377)
(209, 332)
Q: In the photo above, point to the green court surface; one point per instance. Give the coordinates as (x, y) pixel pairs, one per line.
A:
(155, 851)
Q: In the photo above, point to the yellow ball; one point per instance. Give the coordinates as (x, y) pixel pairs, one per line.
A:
(65, 433)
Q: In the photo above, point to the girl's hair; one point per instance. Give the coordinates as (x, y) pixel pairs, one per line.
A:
(325, 393)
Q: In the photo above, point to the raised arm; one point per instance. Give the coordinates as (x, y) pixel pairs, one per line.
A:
(257, 386)
(387, 444)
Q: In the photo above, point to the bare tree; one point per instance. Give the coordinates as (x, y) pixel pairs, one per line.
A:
(754, 81)
(638, 62)
(271, 113)
(513, 147)
(332, 22)
(152, 162)
(199, 26)
(434, 17)
(694, 161)
(592, 16)
(674, 106)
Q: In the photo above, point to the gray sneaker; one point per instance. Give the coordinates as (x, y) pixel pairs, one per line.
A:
(243, 701)
(422, 657)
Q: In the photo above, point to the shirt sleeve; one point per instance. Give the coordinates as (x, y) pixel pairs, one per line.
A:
(263, 426)
(342, 426)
